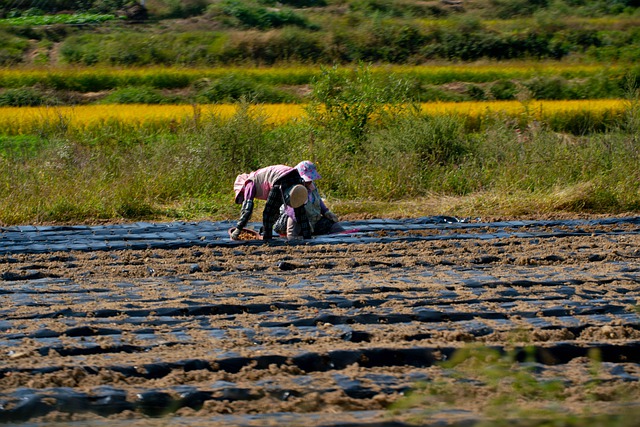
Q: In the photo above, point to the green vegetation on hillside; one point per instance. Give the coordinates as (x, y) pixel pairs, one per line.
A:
(265, 32)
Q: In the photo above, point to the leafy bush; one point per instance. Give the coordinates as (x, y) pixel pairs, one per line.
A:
(132, 48)
(136, 95)
(503, 90)
(396, 8)
(289, 44)
(12, 49)
(233, 88)
(506, 9)
(350, 101)
(430, 93)
(410, 155)
(252, 16)
(390, 42)
(550, 88)
(599, 86)
(23, 97)
(173, 9)
(295, 3)
(476, 93)
(583, 122)
(20, 147)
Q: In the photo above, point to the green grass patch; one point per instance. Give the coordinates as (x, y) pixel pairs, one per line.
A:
(503, 388)
(62, 18)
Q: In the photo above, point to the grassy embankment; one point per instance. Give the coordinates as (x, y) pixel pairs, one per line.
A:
(378, 155)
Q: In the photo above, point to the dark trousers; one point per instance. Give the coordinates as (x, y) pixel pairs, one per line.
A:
(278, 196)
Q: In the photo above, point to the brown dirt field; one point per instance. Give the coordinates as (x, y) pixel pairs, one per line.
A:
(330, 334)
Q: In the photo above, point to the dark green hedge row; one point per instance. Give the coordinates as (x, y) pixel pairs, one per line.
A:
(378, 42)
(234, 87)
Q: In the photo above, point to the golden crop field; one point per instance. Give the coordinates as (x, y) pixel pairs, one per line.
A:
(95, 78)
(24, 120)
(537, 109)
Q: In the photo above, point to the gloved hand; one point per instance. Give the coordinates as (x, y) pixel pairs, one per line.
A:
(236, 234)
(330, 215)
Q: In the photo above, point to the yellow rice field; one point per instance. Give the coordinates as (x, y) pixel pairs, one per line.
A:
(101, 78)
(19, 120)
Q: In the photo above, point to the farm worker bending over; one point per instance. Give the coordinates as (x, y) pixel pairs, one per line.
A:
(321, 219)
(278, 185)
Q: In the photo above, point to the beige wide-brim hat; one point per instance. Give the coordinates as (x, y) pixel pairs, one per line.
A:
(298, 196)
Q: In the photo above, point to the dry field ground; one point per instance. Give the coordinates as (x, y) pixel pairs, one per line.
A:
(328, 333)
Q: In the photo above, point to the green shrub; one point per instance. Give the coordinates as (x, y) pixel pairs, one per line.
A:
(437, 140)
(253, 16)
(289, 44)
(174, 9)
(298, 45)
(391, 43)
(12, 49)
(550, 88)
(506, 9)
(430, 93)
(582, 122)
(136, 95)
(233, 88)
(468, 39)
(377, 40)
(129, 48)
(119, 48)
(395, 8)
(295, 3)
(235, 145)
(503, 90)
(349, 101)
(411, 153)
(23, 97)
(476, 93)
(20, 146)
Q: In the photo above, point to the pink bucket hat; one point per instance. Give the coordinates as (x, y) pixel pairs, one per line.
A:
(308, 171)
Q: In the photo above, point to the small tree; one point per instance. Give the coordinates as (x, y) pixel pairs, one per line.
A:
(348, 102)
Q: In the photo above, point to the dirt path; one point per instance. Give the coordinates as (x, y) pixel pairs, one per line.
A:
(326, 334)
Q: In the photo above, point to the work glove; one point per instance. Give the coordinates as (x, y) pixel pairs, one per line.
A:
(235, 235)
(330, 215)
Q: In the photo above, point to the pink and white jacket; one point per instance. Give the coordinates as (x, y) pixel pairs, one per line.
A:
(259, 183)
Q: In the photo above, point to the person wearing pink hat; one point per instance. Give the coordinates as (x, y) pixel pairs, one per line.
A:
(278, 185)
(321, 219)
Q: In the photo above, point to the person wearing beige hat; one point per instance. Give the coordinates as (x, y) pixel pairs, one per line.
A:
(278, 185)
(321, 219)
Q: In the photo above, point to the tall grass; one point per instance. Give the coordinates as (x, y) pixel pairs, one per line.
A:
(576, 117)
(66, 171)
(501, 391)
(87, 79)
